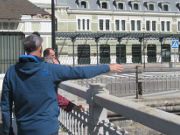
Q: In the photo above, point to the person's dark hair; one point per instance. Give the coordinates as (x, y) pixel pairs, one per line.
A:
(32, 43)
(36, 33)
(47, 52)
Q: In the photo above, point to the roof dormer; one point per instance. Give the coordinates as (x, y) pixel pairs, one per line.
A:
(164, 6)
(82, 3)
(134, 5)
(178, 6)
(150, 6)
(103, 4)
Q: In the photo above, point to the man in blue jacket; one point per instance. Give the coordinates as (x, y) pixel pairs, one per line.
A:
(32, 83)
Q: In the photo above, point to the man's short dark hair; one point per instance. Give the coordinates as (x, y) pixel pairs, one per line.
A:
(32, 43)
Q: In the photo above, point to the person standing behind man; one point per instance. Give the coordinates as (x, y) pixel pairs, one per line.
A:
(50, 57)
(33, 84)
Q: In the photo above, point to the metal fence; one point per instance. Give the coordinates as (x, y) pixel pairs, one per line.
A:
(126, 84)
(10, 48)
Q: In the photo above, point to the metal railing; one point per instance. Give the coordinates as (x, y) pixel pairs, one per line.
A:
(123, 84)
(99, 100)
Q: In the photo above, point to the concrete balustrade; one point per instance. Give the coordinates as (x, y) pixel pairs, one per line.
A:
(156, 119)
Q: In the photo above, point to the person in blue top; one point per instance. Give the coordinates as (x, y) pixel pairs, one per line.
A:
(32, 86)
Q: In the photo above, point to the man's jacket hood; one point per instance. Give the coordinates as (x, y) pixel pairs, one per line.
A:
(28, 64)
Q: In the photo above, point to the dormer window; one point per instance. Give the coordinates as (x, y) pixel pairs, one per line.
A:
(151, 7)
(136, 6)
(165, 7)
(83, 4)
(104, 5)
(120, 6)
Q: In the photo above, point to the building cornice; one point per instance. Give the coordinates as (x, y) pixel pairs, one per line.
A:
(125, 13)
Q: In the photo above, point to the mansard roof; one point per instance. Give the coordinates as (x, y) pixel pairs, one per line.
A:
(14, 9)
(94, 4)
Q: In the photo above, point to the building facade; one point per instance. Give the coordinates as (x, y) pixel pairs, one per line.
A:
(24, 16)
(19, 18)
(157, 21)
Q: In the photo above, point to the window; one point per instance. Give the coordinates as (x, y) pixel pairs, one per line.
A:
(5, 25)
(120, 25)
(120, 6)
(104, 53)
(121, 53)
(162, 26)
(83, 24)
(165, 7)
(83, 53)
(8, 25)
(104, 24)
(150, 25)
(151, 53)
(166, 53)
(79, 24)
(117, 23)
(132, 25)
(136, 6)
(165, 26)
(107, 24)
(123, 24)
(104, 5)
(101, 24)
(135, 25)
(168, 25)
(138, 25)
(153, 25)
(83, 4)
(136, 53)
(178, 25)
(151, 7)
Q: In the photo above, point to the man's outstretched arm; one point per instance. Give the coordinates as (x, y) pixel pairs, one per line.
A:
(63, 73)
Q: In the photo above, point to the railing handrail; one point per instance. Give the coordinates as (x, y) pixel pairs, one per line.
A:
(156, 119)
(159, 120)
(75, 89)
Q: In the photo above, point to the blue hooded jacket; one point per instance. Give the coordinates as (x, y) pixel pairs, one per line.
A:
(34, 87)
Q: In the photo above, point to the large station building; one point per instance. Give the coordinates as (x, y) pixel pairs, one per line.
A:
(122, 31)
(106, 31)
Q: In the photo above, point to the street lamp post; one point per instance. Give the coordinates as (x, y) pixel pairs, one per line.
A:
(144, 47)
(53, 26)
(161, 41)
(120, 51)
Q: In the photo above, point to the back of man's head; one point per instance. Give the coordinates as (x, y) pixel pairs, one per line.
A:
(32, 43)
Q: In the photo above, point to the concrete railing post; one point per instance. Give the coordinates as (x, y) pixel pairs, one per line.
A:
(96, 112)
(139, 90)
